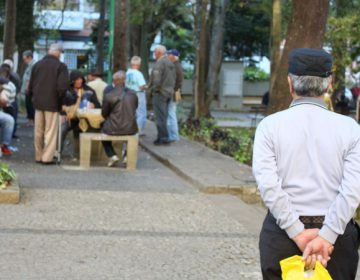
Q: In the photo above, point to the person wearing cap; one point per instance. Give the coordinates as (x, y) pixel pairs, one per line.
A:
(172, 123)
(48, 84)
(306, 162)
(135, 80)
(96, 83)
(161, 87)
(29, 61)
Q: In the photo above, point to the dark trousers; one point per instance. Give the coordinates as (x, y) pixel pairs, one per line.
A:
(29, 107)
(161, 108)
(108, 147)
(275, 245)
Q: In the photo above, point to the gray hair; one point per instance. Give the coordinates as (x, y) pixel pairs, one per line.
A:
(119, 75)
(309, 86)
(135, 60)
(160, 48)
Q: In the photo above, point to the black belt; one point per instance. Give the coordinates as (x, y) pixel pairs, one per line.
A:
(312, 219)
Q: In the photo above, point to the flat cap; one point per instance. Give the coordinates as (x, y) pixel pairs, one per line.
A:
(173, 52)
(310, 62)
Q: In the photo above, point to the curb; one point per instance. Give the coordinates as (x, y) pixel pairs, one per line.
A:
(248, 191)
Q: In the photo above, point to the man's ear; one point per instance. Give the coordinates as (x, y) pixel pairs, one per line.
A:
(292, 92)
(329, 87)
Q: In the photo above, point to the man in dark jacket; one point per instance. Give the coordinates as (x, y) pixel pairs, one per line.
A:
(48, 84)
(119, 111)
(161, 86)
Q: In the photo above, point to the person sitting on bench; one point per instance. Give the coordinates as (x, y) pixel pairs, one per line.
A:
(119, 111)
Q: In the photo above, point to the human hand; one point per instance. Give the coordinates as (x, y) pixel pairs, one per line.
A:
(303, 238)
(319, 247)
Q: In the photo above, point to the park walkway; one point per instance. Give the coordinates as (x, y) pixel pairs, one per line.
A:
(112, 224)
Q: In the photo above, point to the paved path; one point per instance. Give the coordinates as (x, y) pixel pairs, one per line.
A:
(113, 224)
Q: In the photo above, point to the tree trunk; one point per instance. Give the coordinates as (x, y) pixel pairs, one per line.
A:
(25, 33)
(100, 37)
(200, 48)
(306, 30)
(9, 29)
(275, 39)
(120, 37)
(216, 53)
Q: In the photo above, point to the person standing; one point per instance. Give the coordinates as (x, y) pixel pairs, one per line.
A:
(161, 88)
(136, 82)
(306, 162)
(29, 61)
(172, 123)
(119, 111)
(97, 84)
(48, 84)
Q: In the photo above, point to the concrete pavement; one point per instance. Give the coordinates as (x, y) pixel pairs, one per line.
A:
(107, 223)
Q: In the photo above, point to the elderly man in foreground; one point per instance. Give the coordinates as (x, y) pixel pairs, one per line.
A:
(307, 165)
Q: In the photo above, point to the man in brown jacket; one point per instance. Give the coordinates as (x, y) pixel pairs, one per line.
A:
(48, 84)
(119, 111)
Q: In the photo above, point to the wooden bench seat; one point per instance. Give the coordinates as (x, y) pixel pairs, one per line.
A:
(85, 147)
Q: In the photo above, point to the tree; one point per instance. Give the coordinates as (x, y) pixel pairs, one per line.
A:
(9, 29)
(306, 30)
(120, 53)
(25, 29)
(100, 37)
(275, 39)
(208, 41)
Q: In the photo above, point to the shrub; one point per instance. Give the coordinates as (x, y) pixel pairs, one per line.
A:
(237, 143)
(253, 74)
(6, 175)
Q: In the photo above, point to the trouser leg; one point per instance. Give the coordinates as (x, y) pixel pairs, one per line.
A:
(50, 135)
(172, 123)
(39, 130)
(15, 114)
(29, 107)
(141, 112)
(274, 245)
(7, 124)
(108, 147)
(160, 106)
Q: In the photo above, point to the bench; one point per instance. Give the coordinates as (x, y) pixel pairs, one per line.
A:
(87, 138)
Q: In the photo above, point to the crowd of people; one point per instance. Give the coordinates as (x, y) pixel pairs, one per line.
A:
(53, 96)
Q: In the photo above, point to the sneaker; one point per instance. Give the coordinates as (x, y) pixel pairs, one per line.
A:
(5, 150)
(113, 160)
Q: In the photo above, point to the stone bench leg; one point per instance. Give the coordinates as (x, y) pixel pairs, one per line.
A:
(85, 151)
(132, 153)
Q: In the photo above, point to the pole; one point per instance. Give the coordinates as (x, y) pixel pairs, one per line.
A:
(111, 39)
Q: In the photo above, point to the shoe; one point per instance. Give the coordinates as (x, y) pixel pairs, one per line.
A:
(48, 162)
(159, 142)
(113, 160)
(15, 137)
(5, 150)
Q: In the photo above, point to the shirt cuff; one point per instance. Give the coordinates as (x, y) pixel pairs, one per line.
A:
(295, 229)
(328, 234)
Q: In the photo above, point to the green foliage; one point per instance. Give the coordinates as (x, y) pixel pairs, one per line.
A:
(188, 74)
(236, 143)
(344, 35)
(6, 174)
(254, 74)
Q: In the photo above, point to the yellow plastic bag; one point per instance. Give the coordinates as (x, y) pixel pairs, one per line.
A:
(293, 269)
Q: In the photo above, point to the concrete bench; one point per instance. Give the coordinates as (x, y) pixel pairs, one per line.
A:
(87, 138)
